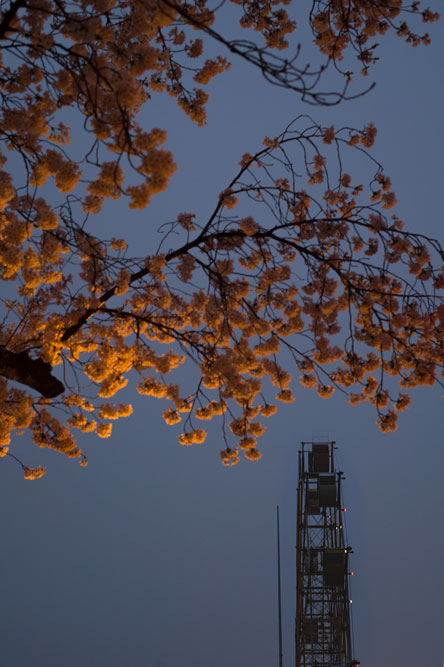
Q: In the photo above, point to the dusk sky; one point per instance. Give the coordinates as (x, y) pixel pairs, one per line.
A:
(155, 555)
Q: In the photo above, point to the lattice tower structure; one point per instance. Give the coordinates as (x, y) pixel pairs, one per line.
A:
(323, 619)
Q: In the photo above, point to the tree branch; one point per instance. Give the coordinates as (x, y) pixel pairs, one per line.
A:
(34, 373)
(9, 16)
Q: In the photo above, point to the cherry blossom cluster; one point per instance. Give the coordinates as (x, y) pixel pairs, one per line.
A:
(299, 276)
(340, 24)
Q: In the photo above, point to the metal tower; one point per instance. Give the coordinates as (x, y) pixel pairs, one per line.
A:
(323, 625)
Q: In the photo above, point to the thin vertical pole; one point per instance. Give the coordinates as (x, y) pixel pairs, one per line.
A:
(279, 588)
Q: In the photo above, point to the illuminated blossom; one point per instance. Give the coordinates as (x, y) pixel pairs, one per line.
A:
(34, 473)
(304, 278)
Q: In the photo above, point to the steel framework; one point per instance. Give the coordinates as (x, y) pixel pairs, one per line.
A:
(323, 627)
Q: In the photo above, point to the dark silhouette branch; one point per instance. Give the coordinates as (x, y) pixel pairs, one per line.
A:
(9, 16)
(34, 373)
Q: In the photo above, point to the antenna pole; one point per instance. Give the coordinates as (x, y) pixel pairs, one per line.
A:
(279, 588)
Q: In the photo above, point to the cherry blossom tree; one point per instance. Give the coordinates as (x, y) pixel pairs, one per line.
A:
(299, 265)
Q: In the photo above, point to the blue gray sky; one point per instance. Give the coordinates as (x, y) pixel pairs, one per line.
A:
(157, 556)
